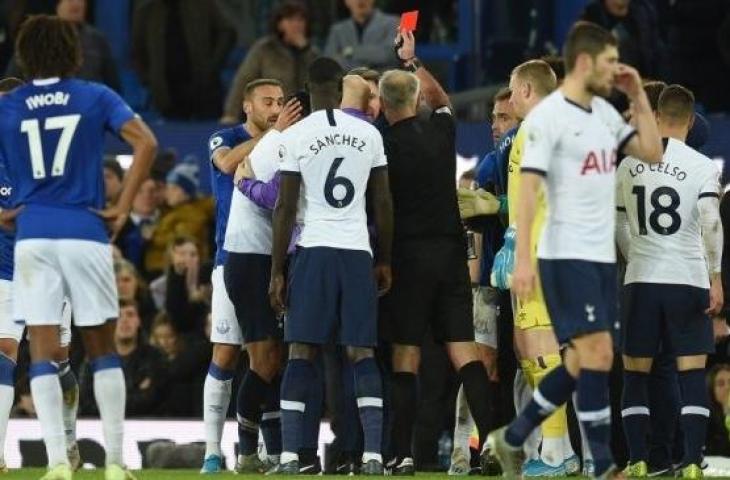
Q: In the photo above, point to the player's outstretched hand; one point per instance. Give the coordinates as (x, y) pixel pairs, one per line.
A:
(290, 115)
(717, 296)
(277, 293)
(7, 217)
(523, 280)
(628, 80)
(384, 278)
(115, 219)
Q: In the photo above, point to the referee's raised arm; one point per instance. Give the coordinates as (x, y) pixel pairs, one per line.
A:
(433, 93)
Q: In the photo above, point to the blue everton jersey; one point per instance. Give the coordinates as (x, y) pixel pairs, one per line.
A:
(223, 184)
(52, 138)
(7, 238)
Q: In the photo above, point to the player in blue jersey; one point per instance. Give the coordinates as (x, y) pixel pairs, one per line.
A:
(227, 148)
(11, 332)
(52, 137)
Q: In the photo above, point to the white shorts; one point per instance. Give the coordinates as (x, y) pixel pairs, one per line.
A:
(225, 327)
(486, 311)
(47, 271)
(14, 330)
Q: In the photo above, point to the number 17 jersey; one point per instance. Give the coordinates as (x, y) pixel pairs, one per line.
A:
(52, 135)
(333, 152)
(660, 201)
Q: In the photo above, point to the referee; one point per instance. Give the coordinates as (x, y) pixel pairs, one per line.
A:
(431, 286)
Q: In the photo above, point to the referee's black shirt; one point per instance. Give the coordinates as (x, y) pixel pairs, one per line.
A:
(422, 169)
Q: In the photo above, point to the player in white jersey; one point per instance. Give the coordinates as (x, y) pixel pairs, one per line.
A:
(668, 229)
(573, 138)
(332, 159)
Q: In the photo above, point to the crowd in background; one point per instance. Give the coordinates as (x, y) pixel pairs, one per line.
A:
(180, 49)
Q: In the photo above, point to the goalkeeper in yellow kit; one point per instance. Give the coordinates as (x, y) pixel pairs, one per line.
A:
(535, 343)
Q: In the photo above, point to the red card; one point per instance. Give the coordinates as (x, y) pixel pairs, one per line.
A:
(408, 21)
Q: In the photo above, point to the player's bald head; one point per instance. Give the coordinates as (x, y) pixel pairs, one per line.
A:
(48, 47)
(399, 90)
(676, 105)
(538, 74)
(325, 83)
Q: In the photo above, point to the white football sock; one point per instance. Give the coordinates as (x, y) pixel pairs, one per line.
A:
(216, 398)
(111, 395)
(47, 398)
(70, 405)
(463, 424)
(7, 395)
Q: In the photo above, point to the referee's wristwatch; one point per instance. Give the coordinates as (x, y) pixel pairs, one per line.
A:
(412, 65)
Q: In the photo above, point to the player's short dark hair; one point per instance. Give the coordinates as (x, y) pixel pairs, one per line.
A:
(586, 37)
(676, 103)
(47, 46)
(502, 94)
(288, 9)
(128, 302)
(653, 89)
(368, 74)
(260, 82)
(325, 82)
(9, 83)
(557, 63)
(539, 74)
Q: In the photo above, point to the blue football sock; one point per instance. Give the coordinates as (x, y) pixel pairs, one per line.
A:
(695, 413)
(635, 414)
(251, 396)
(271, 419)
(295, 388)
(594, 413)
(313, 415)
(369, 391)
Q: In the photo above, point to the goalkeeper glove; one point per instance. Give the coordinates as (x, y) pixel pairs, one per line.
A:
(504, 262)
(475, 203)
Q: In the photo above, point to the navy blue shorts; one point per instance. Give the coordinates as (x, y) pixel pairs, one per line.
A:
(581, 297)
(670, 314)
(332, 298)
(247, 277)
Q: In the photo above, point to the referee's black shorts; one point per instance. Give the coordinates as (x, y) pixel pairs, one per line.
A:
(431, 288)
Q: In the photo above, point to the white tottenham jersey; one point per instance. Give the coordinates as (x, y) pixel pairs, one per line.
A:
(576, 148)
(660, 201)
(334, 154)
(249, 226)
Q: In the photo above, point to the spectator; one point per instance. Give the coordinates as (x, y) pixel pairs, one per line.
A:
(188, 214)
(141, 363)
(180, 47)
(132, 288)
(113, 178)
(636, 25)
(186, 360)
(718, 437)
(365, 39)
(143, 219)
(97, 64)
(284, 54)
(184, 291)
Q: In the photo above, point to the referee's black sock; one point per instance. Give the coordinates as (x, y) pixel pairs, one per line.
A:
(405, 401)
(476, 388)
(251, 396)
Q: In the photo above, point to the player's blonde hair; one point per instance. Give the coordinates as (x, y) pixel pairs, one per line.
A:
(399, 90)
(538, 74)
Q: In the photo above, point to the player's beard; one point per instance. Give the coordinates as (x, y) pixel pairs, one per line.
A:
(595, 88)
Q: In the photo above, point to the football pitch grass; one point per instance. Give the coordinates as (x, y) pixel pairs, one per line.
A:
(36, 473)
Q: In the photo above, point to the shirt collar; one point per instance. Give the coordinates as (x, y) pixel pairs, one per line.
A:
(357, 114)
(42, 82)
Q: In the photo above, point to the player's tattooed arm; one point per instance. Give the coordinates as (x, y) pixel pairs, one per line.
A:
(285, 213)
(646, 145)
(381, 200)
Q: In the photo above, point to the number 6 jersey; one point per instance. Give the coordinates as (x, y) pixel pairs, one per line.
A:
(660, 201)
(334, 154)
(52, 134)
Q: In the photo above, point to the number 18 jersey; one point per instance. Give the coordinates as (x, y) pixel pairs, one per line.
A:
(52, 134)
(333, 153)
(660, 201)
